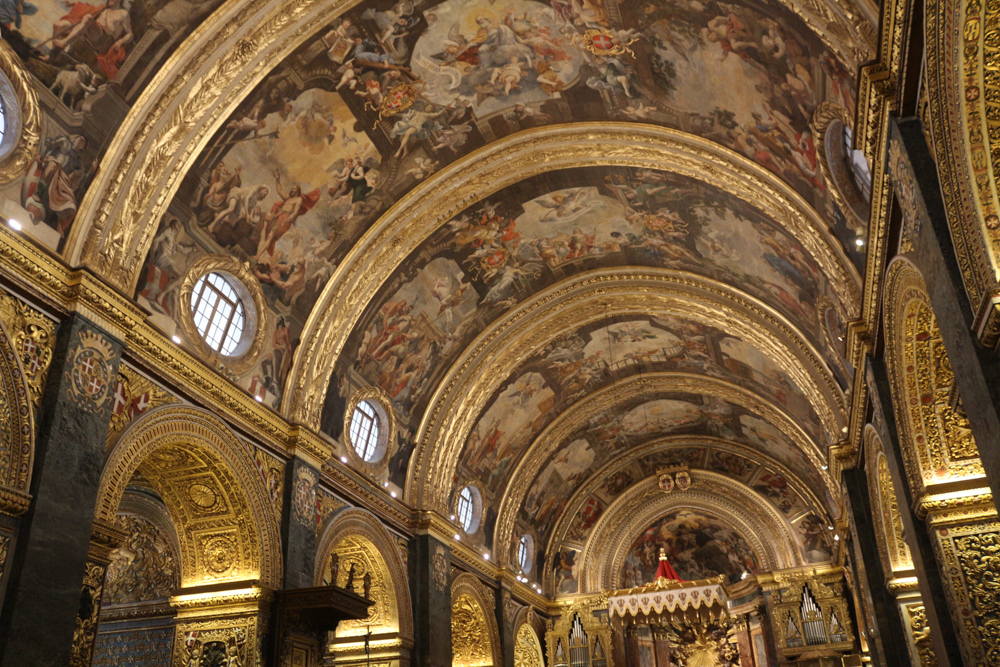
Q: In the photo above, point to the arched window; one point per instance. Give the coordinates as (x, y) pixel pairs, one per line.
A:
(365, 431)
(526, 553)
(219, 313)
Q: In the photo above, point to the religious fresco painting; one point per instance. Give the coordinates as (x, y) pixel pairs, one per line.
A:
(498, 252)
(776, 488)
(697, 544)
(92, 61)
(595, 444)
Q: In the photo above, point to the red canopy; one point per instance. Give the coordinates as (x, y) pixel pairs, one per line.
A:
(666, 570)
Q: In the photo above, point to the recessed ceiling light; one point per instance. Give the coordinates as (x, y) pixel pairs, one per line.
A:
(343, 459)
(258, 399)
(14, 224)
(859, 241)
(176, 339)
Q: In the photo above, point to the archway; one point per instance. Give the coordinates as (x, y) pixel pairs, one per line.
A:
(527, 648)
(360, 541)
(475, 638)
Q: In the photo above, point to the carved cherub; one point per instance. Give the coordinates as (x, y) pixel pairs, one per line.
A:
(368, 584)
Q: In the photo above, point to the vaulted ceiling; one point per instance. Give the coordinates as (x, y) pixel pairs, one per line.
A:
(572, 242)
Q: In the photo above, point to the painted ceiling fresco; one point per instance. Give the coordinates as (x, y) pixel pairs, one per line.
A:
(93, 61)
(612, 433)
(699, 545)
(390, 93)
(741, 464)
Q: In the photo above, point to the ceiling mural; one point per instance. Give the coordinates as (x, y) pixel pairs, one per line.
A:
(490, 460)
(392, 92)
(595, 495)
(699, 545)
(92, 61)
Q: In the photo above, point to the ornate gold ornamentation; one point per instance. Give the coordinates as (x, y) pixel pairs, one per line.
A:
(85, 631)
(440, 568)
(26, 118)
(257, 319)
(410, 221)
(936, 442)
(359, 535)
(4, 544)
(908, 194)
(557, 637)
(134, 394)
(604, 400)
(174, 445)
(527, 649)
(969, 557)
(842, 188)
(304, 505)
(90, 368)
(500, 349)
(470, 639)
(33, 338)
(893, 550)
(920, 633)
(602, 557)
(17, 431)
(604, 43)
(144, 567)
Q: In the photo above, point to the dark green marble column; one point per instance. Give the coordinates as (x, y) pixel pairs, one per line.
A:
(430, 590)
(298, 523)
(40, 609)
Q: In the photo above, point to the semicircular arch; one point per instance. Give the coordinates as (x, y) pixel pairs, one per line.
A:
(475, 635)
(359, 524)
(17, 435)
(209, 483)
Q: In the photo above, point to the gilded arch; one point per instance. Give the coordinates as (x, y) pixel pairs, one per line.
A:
(370, 541)
(893, 550)
(28, 115)
(527, 648)
(453, 410)
(18, 429)
(936, 440)
(771, 538)
(209, 483)
(475, 637)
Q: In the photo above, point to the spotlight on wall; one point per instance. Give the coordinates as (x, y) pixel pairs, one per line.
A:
(825, 467)
(14, 224)
(176, 339)
(457, 538)
(859, 242)
(343, 459)
(836, 538)
(452, 517)
(486, 556)
(392, 493)
(258, 398)
(385, 484)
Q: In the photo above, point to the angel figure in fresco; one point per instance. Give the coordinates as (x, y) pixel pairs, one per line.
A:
(283, 215)
(105, 27)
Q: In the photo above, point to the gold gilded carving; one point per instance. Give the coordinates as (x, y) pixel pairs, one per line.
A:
(4, 544)
(144, 567)
(581, 300)
(527, 649)
(382, 403)
(33, 338)
(134, 395)
(16, 431)
(470, 638)
(174, 446)
(360, 554)
(920, 632)
(893, 550)
(27, 116)
(440, 568)
(257, 318)
(848, 201)
(411, 220)
(86, 621)
(937, 443)
(969, 557)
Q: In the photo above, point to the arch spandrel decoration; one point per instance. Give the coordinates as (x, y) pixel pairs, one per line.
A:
(475, 637)
(624, 292)
(893, 550)
(211, 487)
(771, 539)
(527, 648)
(147, 565)
(17, 429)
(936, 440)
(362, 538)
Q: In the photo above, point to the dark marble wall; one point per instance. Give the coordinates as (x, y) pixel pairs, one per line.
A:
(298, 524)
(49, 561)
(430, 590)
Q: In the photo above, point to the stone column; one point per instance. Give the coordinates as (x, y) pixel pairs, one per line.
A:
(298, 522)
(430, 590)
(506, 615)
(885, 641)
(39, 616)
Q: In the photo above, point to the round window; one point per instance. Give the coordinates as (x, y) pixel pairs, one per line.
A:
(469, 509)
(365, 431)
(10, 116)
(219, 306)
(526, 553)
